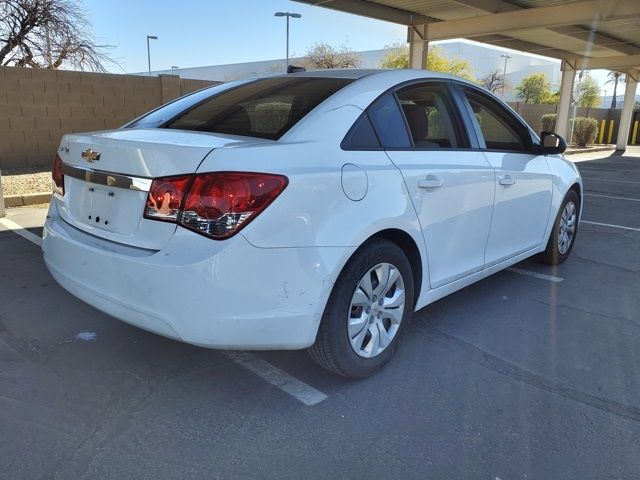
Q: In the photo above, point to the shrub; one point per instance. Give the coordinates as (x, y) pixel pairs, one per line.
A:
(585, 130)
(549, 122)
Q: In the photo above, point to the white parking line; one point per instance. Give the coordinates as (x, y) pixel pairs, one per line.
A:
(612, 181)
(285, 382)
(612, 196)
(19, 230)
(623, 227)
(541, 276)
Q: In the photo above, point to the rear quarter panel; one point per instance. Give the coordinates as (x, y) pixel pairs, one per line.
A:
(313, 210)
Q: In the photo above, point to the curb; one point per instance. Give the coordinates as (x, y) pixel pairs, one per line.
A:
(26, 199)
(575, 151)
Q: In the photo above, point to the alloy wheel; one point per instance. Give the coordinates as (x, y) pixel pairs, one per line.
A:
(376, 310)
(567, 227)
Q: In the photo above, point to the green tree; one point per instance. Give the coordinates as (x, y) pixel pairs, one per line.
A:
(437, 62)
(588, 92)
(534, 88)
(398, 57)
(552, 99)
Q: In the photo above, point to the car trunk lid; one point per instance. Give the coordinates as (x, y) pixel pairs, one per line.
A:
(108, 175)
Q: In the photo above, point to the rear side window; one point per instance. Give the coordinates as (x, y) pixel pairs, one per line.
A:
(361, 136)
(388, 123)
(266, 108)
(500, 128)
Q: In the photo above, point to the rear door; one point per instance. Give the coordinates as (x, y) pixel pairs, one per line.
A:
(523, 178)
(451, 185)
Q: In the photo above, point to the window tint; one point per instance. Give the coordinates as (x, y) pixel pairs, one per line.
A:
(265, 108)
(361, 136)
(500, 129)
(388, 123)
(166, 112)
(428, 111)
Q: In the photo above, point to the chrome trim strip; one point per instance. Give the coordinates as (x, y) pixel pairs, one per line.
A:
(108, 179)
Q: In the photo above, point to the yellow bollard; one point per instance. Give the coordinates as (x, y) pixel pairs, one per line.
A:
(634, 135)
(610, 136)
(603, 124)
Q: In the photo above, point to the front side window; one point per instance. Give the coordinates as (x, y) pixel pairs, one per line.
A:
(429, 115)
(265, 108)
(500, 129)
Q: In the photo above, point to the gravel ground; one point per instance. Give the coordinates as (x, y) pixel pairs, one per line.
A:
(26, 182)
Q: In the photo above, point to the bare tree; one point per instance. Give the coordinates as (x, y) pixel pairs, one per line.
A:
(493, 81)
(49, 34)
(323, 56)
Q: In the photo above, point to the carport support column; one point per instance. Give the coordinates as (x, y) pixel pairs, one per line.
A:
(2, 213)
(564, 104)
(418, 46)
(627, 110)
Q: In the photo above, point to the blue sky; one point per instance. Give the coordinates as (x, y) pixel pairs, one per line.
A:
(194, 33)
(200, 32)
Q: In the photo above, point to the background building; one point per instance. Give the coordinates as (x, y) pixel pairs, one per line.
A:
(484, 59)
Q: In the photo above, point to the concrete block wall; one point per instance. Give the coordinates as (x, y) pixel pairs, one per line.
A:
(532, 113)
(38, 106)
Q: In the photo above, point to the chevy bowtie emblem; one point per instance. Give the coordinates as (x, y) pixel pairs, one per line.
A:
(90, 155)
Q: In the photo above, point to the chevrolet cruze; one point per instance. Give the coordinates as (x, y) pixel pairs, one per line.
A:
(313, 210)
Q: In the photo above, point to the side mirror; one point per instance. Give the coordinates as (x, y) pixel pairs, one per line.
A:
(551, 143)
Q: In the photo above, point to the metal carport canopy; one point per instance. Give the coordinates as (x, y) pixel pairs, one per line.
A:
(584, 34)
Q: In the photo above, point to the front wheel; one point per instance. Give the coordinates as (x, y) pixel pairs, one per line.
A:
(564, 232)
(368, 308)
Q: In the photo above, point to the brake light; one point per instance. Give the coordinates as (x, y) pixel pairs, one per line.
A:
(165, 197)
(217, 204)
(220, 204)
(57, 176)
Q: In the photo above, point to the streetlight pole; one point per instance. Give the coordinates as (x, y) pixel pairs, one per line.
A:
(150, 37)
(504, 73)
(173, 67)
(292, 15)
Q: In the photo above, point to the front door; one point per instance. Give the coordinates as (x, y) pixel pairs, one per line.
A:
(523, 180)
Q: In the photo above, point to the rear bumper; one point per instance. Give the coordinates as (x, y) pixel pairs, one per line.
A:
(214, 294)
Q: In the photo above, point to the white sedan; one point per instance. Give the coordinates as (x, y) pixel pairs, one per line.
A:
(313, 210)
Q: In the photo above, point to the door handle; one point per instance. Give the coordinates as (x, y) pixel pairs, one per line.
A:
(506, 180)
(430, 182)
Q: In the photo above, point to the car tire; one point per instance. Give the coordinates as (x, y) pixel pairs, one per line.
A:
(557, 250)
(350, 307)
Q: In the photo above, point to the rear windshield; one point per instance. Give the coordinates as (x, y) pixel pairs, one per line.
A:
(265, 108)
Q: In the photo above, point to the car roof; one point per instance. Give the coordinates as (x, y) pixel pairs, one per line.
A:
(353, 73)
(357, 73)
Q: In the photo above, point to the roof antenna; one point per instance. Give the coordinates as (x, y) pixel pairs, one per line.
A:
(294, 69)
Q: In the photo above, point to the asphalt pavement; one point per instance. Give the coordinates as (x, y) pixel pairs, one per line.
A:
(532, 373)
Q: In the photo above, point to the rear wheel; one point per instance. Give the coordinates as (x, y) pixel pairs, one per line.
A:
(564, 231)
(368, 308)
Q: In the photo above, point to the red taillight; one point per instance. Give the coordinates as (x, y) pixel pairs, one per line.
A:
(57, 176)
(217, 204)
(165, 198)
